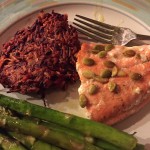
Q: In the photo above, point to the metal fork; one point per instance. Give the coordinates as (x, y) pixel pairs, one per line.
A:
(105, 33)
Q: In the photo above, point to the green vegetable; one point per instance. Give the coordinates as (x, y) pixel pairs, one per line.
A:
(26, 140)
(82, 100)
(109, 47)
(92, 89)
(105, 145)
(136, 76)
(109, 64)
(88, 74)
(99, 47)
(31, 143)
(85, 126)
(112, 86)
(40, 145)
(100, 143)
(9, 144)
(88, 61)
(129, 53)
(102, 54)
(43, 133)
(106, 73)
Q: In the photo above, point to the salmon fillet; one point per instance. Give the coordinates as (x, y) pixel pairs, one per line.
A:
(115, 80)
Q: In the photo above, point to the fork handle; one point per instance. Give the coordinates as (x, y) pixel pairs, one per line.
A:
(143, 37)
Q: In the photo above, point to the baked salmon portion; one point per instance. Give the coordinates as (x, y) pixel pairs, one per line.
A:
(115, 80)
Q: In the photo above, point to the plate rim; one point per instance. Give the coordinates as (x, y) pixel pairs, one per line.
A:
(58, 4)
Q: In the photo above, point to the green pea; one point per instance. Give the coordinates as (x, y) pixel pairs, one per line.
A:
(136, 76)
(88, 74)
(99, 47)
(92, 89)
(100, 79)
(106, 73)
(102, 54)
(83, 100)
(109, 64)
(114, 71)
(88, 61)
(109, 47)
(129, 53)
(112, 86)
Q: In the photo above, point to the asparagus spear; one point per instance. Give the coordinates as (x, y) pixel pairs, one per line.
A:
(40, 145)
(67, 131)
(31, 143)
(100, 143)
(105, 145)
(85, 126)
(9, 144)
(41, 132)
(5, 111)
(27, 140)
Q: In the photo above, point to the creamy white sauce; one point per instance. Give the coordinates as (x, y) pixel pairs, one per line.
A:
(137, 90)
(77, 66)
(143, 58)
(137, 102)
(148, 91)
(101, 102)
(81, 89)
(84, 86)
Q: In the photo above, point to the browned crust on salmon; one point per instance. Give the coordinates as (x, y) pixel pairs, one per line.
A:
(121, 116)
(131, 95)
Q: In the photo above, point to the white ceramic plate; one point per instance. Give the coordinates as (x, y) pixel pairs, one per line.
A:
(67, 101)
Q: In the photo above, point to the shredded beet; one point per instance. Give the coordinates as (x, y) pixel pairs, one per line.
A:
(40, 56)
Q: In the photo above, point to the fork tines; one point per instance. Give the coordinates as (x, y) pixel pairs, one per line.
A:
(98, 31)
